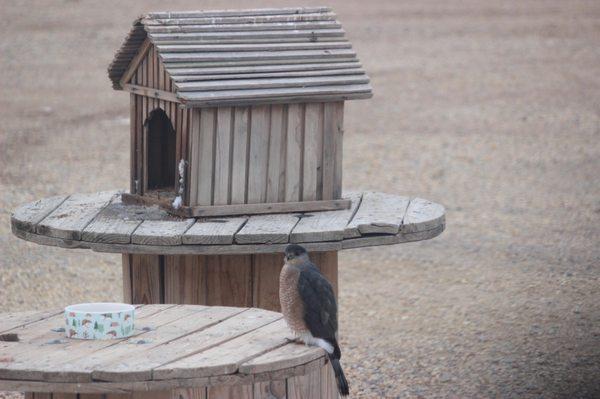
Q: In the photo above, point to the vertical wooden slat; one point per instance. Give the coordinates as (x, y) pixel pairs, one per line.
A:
(186, 143)
(277, 150)
(329, 388)
(259, 150)
(194, 156)
(146, 279)
(328, 265)
(132, 144)
(63, 395)
(229, 280)
(206, 158)
(313, 144)
(223, 156)
(145, 112)
(240, 155)
(189, 393)
(306, 386)
(161, 75)
(332, 150)
(151, 67)
(294, 152)
(185, 279)
(178, 142)
(339, 150)
(127, 283)
(270, 390)
(265, 282)
(230, 392)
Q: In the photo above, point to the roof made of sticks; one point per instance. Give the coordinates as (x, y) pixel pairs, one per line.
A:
(248, 56)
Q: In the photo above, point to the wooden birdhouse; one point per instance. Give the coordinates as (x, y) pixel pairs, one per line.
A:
(238, 113)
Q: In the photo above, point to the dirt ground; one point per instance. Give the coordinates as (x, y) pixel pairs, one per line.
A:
(490, 108)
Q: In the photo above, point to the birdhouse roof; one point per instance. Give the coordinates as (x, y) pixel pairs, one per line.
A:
(248, 56)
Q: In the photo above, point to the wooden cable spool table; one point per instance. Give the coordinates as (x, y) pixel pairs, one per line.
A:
(228, 261)
(186, 350)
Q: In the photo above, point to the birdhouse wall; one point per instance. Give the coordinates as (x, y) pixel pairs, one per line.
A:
(145, 152)
(265, 153)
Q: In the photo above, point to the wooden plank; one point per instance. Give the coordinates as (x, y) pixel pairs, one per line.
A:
(260, 120)
(234, 47)
(161, 232)
(257, 63)
(378, 213)
(146, 279)
(305, 386)
(225, 391)
(267, 229)
(259, 55)
(26, 217)
(194, 156)
(249, 36)
(325, 226)
(271, 82)
(185, 279)
(139, 366)
(258, 27)
(289, 355)
(294, 152)
(277, 150)
(313, 151)
(135, 62)
(270, 390)
(223, 155)
(132, 144)
(293, 74)
(179, 72)
(151, 92)
(115, 223)
(127, 275)
(239, 13)
(241, 146)
(189, 393)
(329, 389)
(327, 262)
(422, 215)
(265, 281)
(227, 357)
(332, 141)
(13, 320)
(214, 231)
(206, 156)
(73, 215)
(229, 280)
(318, 16)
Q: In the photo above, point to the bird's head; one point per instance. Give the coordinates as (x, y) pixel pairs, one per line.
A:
(294, 252)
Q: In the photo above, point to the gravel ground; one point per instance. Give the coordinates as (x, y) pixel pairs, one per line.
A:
(490, 109)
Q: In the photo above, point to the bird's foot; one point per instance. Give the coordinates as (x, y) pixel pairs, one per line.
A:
(295, 340)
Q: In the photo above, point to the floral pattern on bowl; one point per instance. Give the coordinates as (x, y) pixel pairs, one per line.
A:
(99, 320)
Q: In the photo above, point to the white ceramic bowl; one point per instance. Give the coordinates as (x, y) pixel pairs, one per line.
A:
(99, 320)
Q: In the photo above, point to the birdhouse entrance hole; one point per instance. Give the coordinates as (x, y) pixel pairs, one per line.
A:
(160, 147)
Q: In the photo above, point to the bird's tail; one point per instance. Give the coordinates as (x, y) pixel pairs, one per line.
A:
(340, 378)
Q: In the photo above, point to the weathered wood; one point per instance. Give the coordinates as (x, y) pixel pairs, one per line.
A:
(333, 114)
(10, 321)
(229, 280)
(318, 16)
(327, 262)
(260, 27)
(179, 72)
(270, 390)
(135, 62)
(273, 82)
(223, 156)
(29, 215)
(267, 229)
(257, 209)
(289, 355)
(265, 281)
(235, 47)
(147, 285)
(185, 279)
(213, 231)
(239, 13)
(277, 149)
(422, 215)
(313, 151)
(73, 215)
(115, 223)
(194, 151)
(259, 55)
(161, 232)
(306, 386)
(294, 152)
(126, 262)
(254, 35)
(378, 213)
(258, 154)
(151, 92)
(241, 145)
(325, 226)
(205, 165)
(292, 74)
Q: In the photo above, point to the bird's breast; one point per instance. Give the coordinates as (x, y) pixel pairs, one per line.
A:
(292, 306)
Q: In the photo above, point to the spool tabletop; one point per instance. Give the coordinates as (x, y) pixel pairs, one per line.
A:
(101, 222)
(174, 346)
